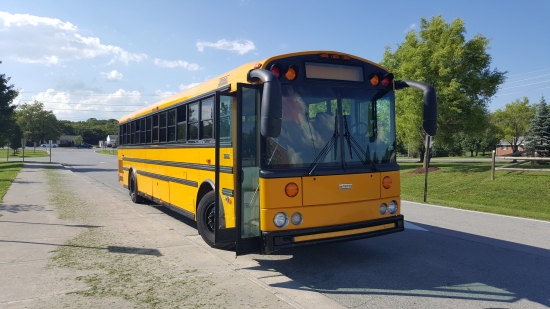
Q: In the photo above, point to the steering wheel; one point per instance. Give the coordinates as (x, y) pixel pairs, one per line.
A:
(357, 126)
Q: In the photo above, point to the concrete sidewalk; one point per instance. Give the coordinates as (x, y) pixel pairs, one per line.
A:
(66, 242)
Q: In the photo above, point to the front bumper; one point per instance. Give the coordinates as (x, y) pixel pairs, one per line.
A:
(273, 241)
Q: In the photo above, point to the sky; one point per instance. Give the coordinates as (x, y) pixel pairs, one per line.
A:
(104, 59)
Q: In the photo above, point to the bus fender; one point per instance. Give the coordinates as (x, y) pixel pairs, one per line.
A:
(205, 187)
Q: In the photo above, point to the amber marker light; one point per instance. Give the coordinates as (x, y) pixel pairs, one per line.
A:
(323, 56)
(386, 182)
(374, 80)
(290, 73)
(257, 66)
(291, 189)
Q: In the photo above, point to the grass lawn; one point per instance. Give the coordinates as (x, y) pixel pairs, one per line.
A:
(113, 152)
(29, 153)
(8, 171)
(469, 186)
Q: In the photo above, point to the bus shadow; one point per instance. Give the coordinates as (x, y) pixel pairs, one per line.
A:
(441, 263)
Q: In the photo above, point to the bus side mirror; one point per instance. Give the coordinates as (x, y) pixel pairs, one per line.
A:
(430, 103)
(272, 107)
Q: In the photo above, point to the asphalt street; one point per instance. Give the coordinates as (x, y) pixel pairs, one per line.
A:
(446, 258)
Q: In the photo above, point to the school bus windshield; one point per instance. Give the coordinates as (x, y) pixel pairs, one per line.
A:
(323, 124)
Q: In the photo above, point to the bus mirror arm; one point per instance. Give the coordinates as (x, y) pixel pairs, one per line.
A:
(430, 103)
(272, 106)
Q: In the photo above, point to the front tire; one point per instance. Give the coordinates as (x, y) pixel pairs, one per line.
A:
(205, 221)
(133, 190)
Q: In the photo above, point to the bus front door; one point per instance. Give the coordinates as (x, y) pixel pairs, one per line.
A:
(247, 185)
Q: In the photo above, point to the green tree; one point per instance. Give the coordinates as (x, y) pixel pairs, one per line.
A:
(513, 121)
(78, 140)
(7, 95)
(459, 70)
(538, 134)
(15, 136)
(36, 123)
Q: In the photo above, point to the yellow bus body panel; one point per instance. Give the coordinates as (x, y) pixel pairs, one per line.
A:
(328, 214)
(319, 190)
(272, 193)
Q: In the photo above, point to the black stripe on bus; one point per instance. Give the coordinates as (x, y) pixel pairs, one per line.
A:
(204, 167)
(186, 182)
(227, 192)
(125, 169)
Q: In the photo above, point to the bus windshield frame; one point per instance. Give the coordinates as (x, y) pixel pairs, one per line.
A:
(333, 128)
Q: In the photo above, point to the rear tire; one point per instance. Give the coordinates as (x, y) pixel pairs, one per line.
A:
(205, 222)
(133, 190)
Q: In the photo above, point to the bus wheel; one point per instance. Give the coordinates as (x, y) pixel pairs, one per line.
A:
(133, 190)
(205, 221)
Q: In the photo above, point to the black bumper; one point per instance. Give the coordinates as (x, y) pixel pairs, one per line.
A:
(273, 241)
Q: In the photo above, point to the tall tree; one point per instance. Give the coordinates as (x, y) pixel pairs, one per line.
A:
(538, 135)
(36, 123)
(7, 95)
(513, 121)
(15, 136)
(459, 69)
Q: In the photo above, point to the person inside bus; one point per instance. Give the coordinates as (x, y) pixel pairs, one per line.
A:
(297, 134)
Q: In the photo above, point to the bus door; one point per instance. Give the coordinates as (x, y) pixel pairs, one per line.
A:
(247, 184)
(225, 232)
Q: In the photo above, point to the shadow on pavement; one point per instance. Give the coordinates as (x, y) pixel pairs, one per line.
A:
(440, 263)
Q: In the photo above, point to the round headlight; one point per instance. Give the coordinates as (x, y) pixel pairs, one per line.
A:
(393, 207)
(383, 208)
(296, 218)
(280, 220)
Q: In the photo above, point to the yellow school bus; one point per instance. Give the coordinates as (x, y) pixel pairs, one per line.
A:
(293, 150)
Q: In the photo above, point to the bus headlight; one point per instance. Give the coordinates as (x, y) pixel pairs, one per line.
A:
(393, 207)
(383, 208)
(296, 218)
(280, 220)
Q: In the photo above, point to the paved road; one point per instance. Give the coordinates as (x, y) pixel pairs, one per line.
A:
(446, 258)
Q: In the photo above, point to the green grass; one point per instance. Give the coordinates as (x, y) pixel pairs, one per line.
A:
(469, 186)
(113, 152)
(29, 153)
(8, 171)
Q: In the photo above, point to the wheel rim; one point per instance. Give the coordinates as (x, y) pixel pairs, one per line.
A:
(209, 219)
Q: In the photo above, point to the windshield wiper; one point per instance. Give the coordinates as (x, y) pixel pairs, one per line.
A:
(354, 145)
(323, 154)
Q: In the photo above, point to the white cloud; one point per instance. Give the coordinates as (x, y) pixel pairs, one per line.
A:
(177, 63)
(412, 27)
(83, 105)
(164, 94)
(50, 41)
(184, 87)
(239, 46)
(114, 75)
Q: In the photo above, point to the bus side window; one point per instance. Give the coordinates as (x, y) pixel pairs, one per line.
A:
(225, 118)
(182, 123)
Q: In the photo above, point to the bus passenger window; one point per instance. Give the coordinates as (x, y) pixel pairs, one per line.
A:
(172, 125)
(182, 123)
(148, 126)
(193, 121)
(206, 119)
(163, 128)
(225, 118)
(155, 128)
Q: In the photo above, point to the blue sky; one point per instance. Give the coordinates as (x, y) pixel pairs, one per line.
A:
(104, 59)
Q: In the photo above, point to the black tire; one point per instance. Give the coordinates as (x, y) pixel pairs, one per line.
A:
(132, 186)
(205, 222)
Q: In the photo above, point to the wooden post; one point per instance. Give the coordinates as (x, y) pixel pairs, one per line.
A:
(493, 166)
